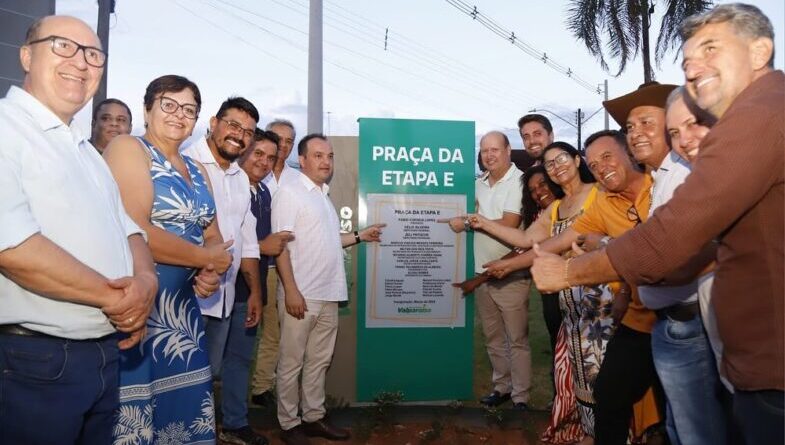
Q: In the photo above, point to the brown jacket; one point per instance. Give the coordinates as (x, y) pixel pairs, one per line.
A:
(735, 195)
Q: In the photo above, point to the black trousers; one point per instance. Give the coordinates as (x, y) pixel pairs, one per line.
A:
(627, 371)
(552, 315)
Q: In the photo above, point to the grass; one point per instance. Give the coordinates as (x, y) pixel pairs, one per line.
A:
(541, 391)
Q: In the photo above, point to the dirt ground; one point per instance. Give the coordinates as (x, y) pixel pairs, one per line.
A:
(424, 425)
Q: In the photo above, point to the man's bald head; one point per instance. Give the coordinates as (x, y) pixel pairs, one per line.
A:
(62, 84)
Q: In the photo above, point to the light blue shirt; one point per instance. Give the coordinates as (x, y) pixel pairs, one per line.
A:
(671, 174)
(54, 182)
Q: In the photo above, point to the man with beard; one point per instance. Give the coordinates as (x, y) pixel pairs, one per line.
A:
(231, 132)
(734, 194)
(536, 133)
(111, 117)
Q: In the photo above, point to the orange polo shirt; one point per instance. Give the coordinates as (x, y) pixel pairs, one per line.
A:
(613, 214)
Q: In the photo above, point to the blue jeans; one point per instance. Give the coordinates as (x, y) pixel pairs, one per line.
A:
(216, 332)
(760, 415)
(688, 372)
(57, 390)
(236, 369)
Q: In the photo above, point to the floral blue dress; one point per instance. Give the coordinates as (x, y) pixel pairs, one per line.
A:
(165, 383)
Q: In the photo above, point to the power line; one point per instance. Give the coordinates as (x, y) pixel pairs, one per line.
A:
(337, 65)
(413, 50)
(510, 36)
(366, 57)
(299, 69)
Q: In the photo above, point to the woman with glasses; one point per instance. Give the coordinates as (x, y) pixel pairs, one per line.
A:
(165, 384)
(586, 311)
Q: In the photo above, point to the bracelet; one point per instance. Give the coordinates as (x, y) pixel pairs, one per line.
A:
(357, 239)
(567, 272)
(467, 227)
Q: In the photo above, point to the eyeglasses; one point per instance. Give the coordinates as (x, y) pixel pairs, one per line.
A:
(67, 48)
(170, 106)
(632, 215)
(561, 159)
(237, 128)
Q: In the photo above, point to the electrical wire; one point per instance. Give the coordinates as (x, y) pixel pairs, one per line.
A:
(494, 27)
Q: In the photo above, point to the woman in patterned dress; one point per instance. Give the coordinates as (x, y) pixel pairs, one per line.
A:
(586, 322)
(165, 383)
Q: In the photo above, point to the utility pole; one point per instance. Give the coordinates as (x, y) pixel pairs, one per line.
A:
(578, 119)
(105, 10)
(315, 95)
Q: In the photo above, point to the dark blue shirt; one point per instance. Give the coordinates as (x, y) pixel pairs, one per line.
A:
(261, 208)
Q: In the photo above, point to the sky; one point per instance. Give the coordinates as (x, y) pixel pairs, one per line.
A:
(438, 63)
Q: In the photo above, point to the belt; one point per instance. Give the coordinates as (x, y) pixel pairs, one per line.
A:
(679, 312)
(19, 330)
(15, 329)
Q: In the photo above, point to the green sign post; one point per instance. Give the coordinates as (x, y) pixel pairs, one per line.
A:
(414, 330)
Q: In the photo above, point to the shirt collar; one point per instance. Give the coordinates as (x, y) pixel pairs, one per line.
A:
(205, 156)
(45, 118)
(507, 175)
(310, 185)
(647, 183)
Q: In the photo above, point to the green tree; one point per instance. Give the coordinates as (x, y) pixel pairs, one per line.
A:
(620, 28)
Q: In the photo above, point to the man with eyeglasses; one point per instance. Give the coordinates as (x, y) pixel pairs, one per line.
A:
(74, 268)
(231, 132)
(627, 370)
(111, 117)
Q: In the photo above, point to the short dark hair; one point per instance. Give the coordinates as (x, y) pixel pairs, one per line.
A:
(583, 169)
(239, 103)
(264, 135)
(617, 135)
(544, 121)
(170, 83)
(302, 147)
(111, 100)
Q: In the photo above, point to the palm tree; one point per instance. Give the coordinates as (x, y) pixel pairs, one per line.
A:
(626, 24)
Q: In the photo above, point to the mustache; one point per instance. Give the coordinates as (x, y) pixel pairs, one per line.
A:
(235, 140)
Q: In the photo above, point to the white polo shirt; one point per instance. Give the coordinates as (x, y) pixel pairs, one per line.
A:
(316, 253)
(504, 196)
(233, 209)
(54, 182)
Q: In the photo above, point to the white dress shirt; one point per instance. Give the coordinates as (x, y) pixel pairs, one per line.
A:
(288, 174)
(54, 182)
(316, 253)
(235, 219)
(671, 174)
(492, 202)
